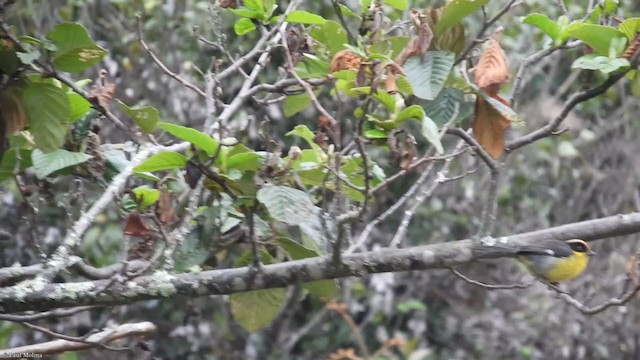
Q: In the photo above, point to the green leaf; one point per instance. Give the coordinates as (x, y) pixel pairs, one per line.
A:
(598, 37)
(397, 4)
(545, 24)
(251, 14)
(305, 17)
(386, 99)
(254, 310)
(28, 57)
(146, 117)
(249, 161)
(394, 44)
(600, 63)
(427, 75)
(9, 62)
(503, 109)
(79, 106)
(162, 161)
(413, 111)
(14, 160)
(30, 40)
(146, 196)
(256, 5)
(243, 26)
(430, 132)
(312, 66)
(48, 109)
(296, 251)
(456, 10)
(375, 134)
(75, 49)
(445, 107)
(409, 305)
(332, 35)
(348, 12)
(45, 164)
(293, 104)
(308, 135)
(403, 84)
(630, 27)
(610, 6)
(346, 75)
(196, 137)
(288, 205)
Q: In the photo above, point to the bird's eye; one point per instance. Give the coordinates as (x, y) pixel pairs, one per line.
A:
(579, 246)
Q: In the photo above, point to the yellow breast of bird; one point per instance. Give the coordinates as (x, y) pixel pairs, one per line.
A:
(567, 268)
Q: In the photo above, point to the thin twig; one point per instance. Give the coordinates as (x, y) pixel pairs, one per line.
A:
(485, 27)
(616, 301)
(420, 199)
(484, 155)
(46, 315)
(524, 64)
(161, 65)
(60, 346)
(491, 286)
(72, 338)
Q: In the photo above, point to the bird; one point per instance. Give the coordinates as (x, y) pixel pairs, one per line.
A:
(553, 261)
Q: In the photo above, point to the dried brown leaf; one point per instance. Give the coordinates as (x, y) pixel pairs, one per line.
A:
(228, 4)
(492, 70)
(97, 164)
(165, 208)
(420, 43)
(103, 91)
(345, 60)
(632, 48)
(12, 113)
(633, 269)
(489, 126)
(409, 151)
(135, 226)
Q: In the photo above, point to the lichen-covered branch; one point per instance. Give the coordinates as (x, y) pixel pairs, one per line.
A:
(42, 296)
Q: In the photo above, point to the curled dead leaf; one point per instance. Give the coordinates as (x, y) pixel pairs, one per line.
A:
(420, 43)
(103, 91)
(12, 113)
(97, 164)
(135, 226)
(390, 83)
(492, 70)
(409, 152)
(165, 207)
(633, 269)
(392, 69)
(345, 60)
(489, 126)
(633, 47)
(228, 4)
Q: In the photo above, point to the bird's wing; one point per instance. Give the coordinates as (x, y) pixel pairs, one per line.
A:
(554, 248)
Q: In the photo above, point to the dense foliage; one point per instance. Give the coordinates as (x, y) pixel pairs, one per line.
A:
(180, 137)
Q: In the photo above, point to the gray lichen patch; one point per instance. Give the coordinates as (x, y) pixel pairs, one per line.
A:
(71, 290)
(27, 287)
(161, 283)
(428, 257)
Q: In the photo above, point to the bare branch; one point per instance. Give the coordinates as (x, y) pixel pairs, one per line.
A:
(106, 336)
(161, 284)
(491, 286)
(161, 65)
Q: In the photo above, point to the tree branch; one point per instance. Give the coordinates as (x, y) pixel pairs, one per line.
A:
(60, 346)
(227, 281)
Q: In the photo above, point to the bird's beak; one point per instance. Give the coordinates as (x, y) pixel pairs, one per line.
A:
(591, 253)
